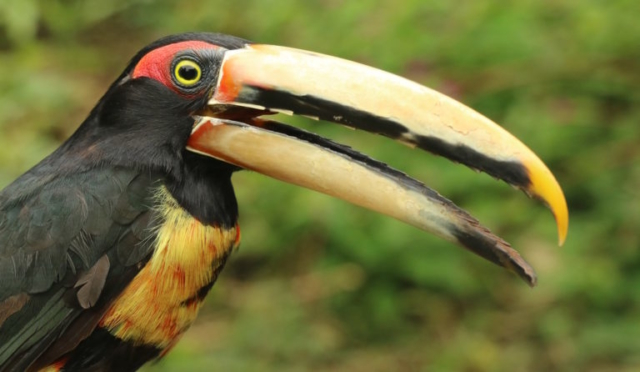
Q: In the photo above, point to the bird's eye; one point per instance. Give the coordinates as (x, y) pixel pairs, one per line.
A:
(187, 73)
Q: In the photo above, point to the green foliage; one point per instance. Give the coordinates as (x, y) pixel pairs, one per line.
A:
(321, 285)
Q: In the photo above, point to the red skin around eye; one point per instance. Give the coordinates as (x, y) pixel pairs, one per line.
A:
(157, 63)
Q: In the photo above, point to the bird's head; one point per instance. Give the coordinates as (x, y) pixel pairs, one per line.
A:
(200, 98)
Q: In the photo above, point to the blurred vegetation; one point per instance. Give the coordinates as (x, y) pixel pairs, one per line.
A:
(322, 285)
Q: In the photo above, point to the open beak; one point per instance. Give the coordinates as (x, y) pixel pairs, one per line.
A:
(262, 79)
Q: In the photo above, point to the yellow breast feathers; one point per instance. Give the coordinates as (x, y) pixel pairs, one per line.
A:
(162, 300)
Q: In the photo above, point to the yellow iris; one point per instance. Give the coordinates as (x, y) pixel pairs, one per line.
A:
(187, 72)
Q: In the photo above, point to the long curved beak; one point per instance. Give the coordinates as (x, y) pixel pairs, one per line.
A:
(261, 79)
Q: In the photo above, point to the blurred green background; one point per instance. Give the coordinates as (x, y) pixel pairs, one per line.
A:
(320, 285)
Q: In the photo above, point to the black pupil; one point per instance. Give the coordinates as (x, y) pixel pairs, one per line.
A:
(188, 72)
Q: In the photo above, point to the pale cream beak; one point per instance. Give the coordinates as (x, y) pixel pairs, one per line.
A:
(263, 78)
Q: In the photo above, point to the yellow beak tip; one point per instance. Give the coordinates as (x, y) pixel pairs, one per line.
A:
(554, 198)
(545, 187)
(562, 220)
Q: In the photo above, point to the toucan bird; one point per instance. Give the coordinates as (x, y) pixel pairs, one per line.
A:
(110, 244)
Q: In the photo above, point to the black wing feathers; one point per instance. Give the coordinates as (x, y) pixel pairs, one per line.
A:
(67, 245)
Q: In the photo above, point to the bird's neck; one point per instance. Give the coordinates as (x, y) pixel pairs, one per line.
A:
(203, 188)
